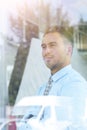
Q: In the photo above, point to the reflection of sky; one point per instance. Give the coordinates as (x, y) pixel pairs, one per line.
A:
(75, 8)
(3, 21)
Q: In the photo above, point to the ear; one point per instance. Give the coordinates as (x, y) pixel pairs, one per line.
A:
(69, 50)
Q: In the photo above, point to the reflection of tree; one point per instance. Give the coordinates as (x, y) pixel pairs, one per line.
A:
(55, 16)
(63, 21)
(44, 15)
(31, 30)
(62, 17)
(20, 21)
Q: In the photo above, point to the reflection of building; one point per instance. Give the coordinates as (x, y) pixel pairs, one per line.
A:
(79, 62)
(79, 59)
(80, 36)
(3, 88)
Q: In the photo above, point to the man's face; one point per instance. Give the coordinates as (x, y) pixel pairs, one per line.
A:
(54, 51)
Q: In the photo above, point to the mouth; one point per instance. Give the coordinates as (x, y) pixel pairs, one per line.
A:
(47, 59)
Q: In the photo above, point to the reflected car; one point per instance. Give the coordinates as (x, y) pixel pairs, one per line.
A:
(64, 114)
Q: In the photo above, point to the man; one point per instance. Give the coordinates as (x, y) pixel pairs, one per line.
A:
(57, 51)
(65, 81)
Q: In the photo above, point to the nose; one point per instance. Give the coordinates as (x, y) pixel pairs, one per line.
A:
(47, 50)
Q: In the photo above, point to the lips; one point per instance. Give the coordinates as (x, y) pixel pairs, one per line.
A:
(47, 59)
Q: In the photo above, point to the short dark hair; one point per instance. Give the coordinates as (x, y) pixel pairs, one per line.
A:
(61, 30)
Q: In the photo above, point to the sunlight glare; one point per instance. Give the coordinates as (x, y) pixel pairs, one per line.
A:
(8, 4)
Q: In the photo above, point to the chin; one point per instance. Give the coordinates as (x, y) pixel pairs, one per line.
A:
(49, 66)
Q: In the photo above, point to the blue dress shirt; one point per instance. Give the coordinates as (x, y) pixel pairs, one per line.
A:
(66, 82)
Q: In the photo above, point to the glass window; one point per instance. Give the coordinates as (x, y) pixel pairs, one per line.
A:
(22, 23)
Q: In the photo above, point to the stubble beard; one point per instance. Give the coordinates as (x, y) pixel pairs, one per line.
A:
(54, 68)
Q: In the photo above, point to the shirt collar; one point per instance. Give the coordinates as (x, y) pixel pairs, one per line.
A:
(61, 73)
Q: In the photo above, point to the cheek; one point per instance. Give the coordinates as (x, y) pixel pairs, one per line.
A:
(60, 53)
(43, 53)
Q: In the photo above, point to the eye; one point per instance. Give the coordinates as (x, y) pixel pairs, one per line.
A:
(52, 44)
(43, 46)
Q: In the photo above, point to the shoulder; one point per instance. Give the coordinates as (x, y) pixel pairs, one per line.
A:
(74, 84)
(76, 78)
(75, 88)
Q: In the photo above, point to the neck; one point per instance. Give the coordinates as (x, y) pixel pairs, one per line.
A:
(56, 69)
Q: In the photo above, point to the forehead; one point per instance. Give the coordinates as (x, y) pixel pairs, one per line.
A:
(52, 37)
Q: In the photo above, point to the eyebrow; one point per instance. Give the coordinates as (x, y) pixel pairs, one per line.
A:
(48, 43)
